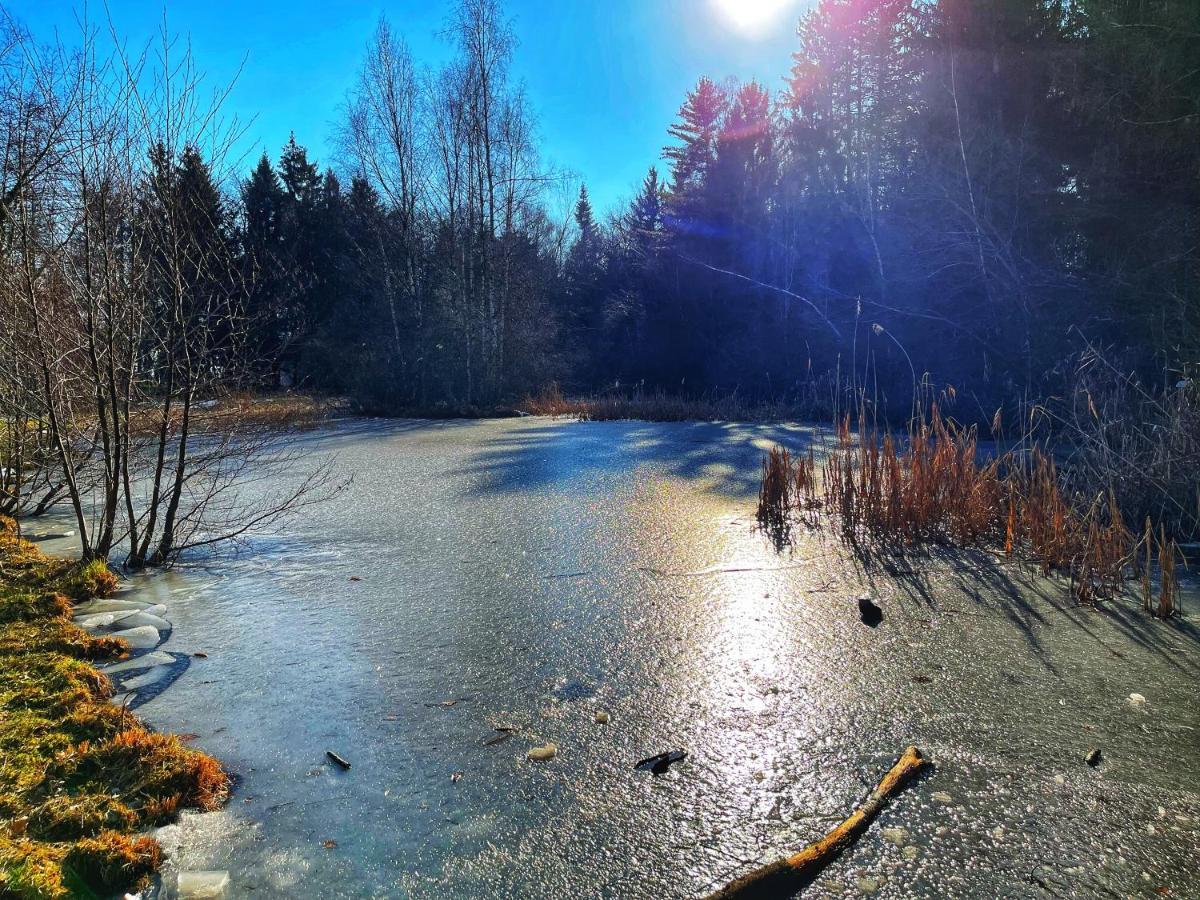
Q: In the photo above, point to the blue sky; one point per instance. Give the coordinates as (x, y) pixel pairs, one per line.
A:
(604, 77)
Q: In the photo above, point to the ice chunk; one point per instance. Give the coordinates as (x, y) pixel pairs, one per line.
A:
(140, 681)
(132, 620)
(202, 885)
(102, 606)
(100, 620)
(144, 637)
(157, 658)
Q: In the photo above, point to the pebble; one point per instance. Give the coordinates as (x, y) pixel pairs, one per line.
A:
(1137, 700)
(542, 754)
(897, 836)
(602, 718)
(942, 797)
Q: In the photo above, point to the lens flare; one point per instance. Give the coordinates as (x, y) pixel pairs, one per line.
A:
(753, 18)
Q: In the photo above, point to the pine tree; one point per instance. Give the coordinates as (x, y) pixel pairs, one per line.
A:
(644, 217)
(697, 129)
(586, 255)
(300, 177)
(583, 276)
(263, 200)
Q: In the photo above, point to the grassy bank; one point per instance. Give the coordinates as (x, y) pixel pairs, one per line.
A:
(80, 779)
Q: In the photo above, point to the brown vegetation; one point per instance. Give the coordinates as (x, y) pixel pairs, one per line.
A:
(933, 486)
(658, 406)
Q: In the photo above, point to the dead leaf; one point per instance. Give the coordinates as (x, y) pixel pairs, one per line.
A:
(355, 578)
(329, 844)
(457, 776)
(200, 654)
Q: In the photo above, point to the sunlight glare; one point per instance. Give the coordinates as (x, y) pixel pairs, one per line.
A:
(752, 17)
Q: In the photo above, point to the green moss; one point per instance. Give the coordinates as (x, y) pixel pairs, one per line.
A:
(80, 777)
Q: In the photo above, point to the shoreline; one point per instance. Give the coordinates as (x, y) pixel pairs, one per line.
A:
(85, 780)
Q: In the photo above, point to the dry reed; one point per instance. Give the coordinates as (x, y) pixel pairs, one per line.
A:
(933, 487)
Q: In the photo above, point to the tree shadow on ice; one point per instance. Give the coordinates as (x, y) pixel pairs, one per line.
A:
(724, 458)
(1026, 600)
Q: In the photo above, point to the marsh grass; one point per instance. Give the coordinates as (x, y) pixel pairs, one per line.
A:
(80, 777)
(775, 501)
(934, 486)
(659, 406)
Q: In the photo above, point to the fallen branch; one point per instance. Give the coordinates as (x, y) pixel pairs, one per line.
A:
(787, 876)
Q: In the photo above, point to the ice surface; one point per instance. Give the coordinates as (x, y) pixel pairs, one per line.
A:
(694, 633)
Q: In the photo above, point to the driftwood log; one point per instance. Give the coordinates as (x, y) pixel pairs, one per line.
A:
(787, 876)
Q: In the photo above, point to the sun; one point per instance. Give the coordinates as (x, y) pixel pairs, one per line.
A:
(752, 17)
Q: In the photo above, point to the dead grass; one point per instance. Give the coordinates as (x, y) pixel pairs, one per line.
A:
(243, 411)
(775, 491)
(79, 777)
(934, 486)
(658, 406)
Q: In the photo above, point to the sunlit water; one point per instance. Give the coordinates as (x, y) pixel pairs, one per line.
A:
(537, 571)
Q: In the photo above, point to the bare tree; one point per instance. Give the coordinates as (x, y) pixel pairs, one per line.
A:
(128, 312)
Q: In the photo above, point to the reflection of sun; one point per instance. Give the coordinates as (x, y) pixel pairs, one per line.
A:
(752, 16)
(746, 627)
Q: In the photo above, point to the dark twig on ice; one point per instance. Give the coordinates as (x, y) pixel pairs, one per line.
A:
(337, 760)
(659, 763)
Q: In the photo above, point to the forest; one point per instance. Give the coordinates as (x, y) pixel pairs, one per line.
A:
(978, 191)
(997, 201)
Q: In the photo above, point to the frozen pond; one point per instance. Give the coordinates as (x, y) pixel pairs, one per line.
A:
(532, 572)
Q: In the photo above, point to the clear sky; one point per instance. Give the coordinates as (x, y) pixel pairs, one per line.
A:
(604, 77)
